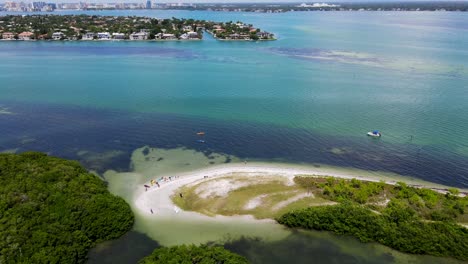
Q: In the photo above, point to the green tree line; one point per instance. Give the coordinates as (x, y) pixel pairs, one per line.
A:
(191, 254)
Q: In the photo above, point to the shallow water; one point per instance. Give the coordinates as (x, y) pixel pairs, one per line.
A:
(260, 241)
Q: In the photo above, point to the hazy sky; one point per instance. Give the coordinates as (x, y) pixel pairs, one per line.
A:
(217, 1)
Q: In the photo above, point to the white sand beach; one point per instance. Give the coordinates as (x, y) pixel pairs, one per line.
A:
(158, 199)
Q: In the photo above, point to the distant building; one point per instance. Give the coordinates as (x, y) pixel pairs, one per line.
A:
(139, 36)
(57, 35)
(168, 36)
(52, 6)
(8, 36)
(104, 36)
(43, 37)
(26, 36)
(37, 6)
(148, 4)
(118, 36)
(88, 36)
(190, 35)
(264, 34)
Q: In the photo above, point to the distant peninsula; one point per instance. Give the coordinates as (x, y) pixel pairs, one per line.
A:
(89, 28)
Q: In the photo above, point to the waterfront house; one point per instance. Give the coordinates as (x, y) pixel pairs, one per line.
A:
(192, 35)
(264, 35)
(189, 35)
(241, 25)
(8, 36)
(104, 36)
(26, 36)
(88, 36)
(168, 36)
(118, 36)
(139, 36)
(57, 36)
(245, 36)
(43, 37)
(187, 28)
(234, 36)
(218, 30)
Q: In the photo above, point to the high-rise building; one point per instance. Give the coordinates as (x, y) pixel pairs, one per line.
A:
(37, 6)
(148, 4)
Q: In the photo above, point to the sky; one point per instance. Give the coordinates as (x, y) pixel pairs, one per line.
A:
(222, 1)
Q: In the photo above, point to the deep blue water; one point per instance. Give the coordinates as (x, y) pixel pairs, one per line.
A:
(65, 130)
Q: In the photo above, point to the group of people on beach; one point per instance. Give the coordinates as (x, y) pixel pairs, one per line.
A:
(160, 180)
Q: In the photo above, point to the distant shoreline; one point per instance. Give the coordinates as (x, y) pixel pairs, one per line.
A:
(122, 28)
(256, 7)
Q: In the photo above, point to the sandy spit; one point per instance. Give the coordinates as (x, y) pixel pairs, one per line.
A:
(157, 200)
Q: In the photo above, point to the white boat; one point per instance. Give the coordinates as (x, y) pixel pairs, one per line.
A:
(374, 133)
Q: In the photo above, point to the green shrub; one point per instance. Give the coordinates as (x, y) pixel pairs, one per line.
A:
(190, 254)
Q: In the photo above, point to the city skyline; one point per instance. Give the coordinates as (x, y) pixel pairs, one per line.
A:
(225, 1)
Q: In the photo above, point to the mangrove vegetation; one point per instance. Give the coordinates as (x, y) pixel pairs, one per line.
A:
(53, 211)
(397, 227)
(191, 254)
(410, 219)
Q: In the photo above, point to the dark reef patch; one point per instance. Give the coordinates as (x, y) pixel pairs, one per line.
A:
(63, 130)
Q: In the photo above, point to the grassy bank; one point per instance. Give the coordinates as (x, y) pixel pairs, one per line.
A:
(426, 204)
(262, 197)
(270, 196)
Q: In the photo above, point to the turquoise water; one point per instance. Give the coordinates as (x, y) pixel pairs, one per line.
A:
(334, 75)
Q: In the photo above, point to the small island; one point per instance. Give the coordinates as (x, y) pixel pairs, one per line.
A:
(411, 218)
(89, 28)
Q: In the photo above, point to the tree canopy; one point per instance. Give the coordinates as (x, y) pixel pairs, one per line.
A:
(52, 210)
(398, 227)
(191, 254)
